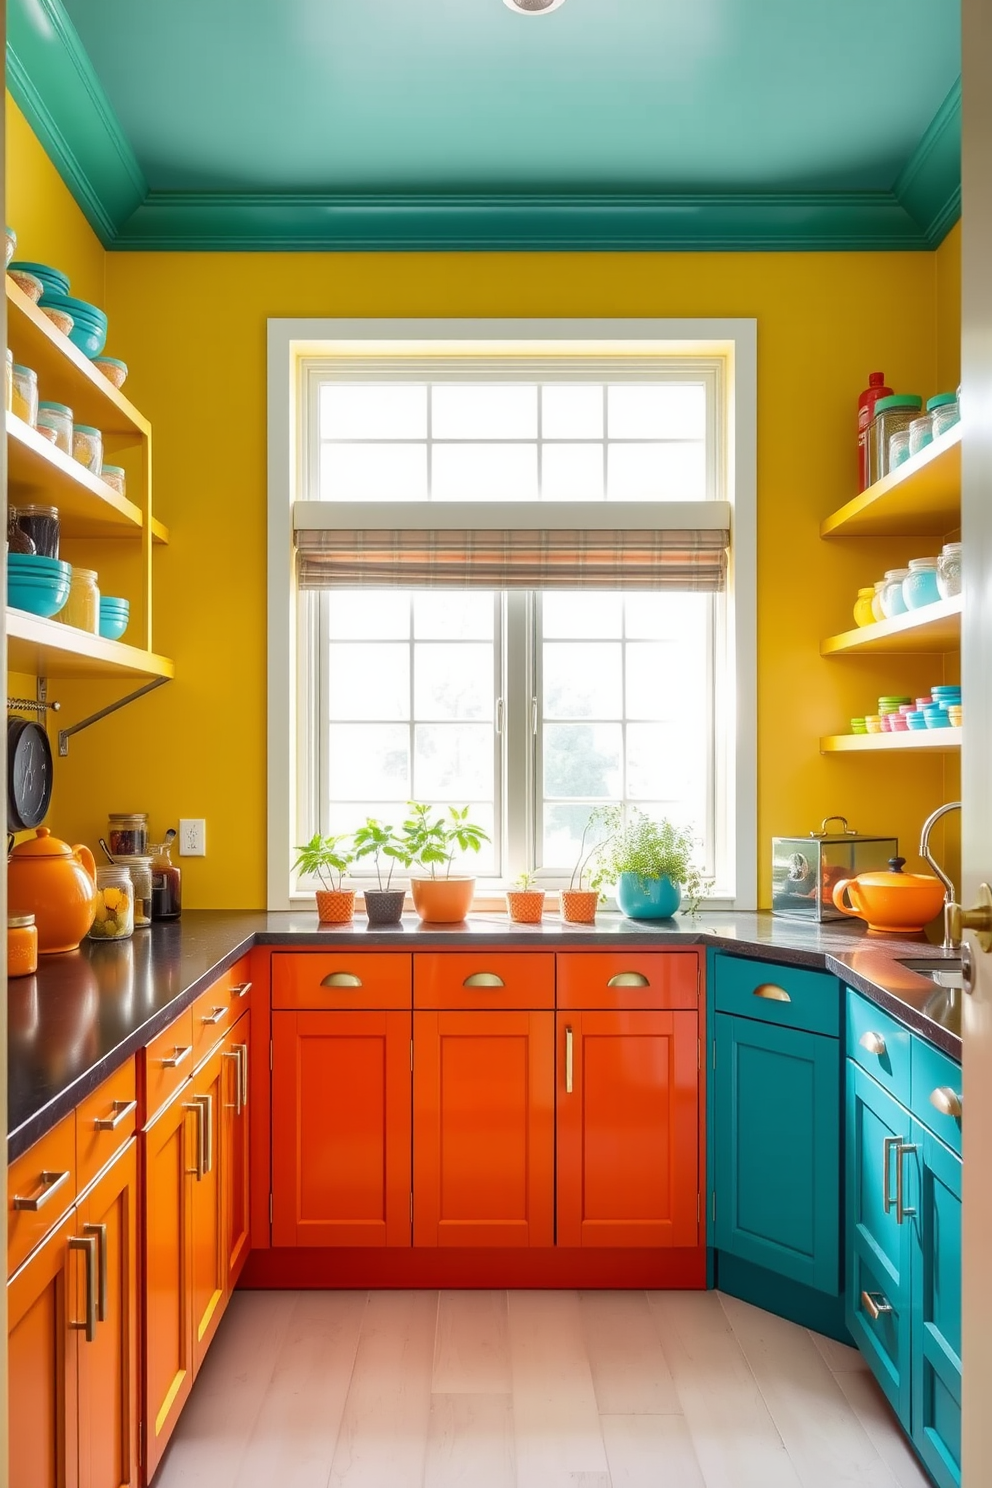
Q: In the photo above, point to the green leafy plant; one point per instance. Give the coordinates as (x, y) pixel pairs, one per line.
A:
(526, 882)
(651, 849)
(379, 840)
(431, 841)
(600, 815)
(325, 858)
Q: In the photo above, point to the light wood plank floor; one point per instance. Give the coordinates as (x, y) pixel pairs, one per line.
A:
(552, 1389)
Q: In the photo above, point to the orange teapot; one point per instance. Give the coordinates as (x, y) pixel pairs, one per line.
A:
(894, 903)
(57, 884)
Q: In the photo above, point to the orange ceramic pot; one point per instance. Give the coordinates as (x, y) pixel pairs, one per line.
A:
(335, 906)
(525, 906)
(578, 906)
(442, 901)
(894, 903)
(57, 884)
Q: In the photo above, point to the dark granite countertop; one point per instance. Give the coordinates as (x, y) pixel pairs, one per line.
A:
(84, 1013)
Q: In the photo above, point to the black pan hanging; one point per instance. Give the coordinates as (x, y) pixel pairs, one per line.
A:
(29, 773)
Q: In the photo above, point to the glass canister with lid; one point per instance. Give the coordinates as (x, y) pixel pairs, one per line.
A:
(140, 869)
(82, 608)
(114, 919)
(920, 433)
(899, 450)
(25, 404)
(22, 945)
(166, 884)
(949, 570)
(944, 411)
(891, 416)
(58, 418)
(87, 447)
(919, 587)
(892, 599)
(127, 832)
(42, 526)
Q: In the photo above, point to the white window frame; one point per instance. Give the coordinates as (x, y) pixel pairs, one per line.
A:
(294, 343)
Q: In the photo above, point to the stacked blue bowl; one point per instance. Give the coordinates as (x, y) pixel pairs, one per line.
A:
(944, 696)
(114, 616)
(54, 280)
(89, 322)
(38, 585)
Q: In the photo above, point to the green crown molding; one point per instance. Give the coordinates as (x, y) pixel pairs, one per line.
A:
(929, 185)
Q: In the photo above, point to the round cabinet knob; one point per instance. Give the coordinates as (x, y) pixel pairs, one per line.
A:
(874, 1043)
(946, 1101)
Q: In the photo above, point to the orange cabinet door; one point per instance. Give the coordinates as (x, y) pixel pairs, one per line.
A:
(42, 1298)
(483, 1126)
(341, 1128)
(208, 1256)
(628, 1129)
(234, 1163)
(108, 1363)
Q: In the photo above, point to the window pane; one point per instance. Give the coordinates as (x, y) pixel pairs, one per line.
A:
(453, 681)
(572, 411)
(663, 761)
(453, 762)
(369, 761)
(665, 679)
(656, 411)
(663, 616)
(369, 681)
(453, 615)
(583, 679)
(656, 472)
(476, 865)
(572, 472)
(583, 760)
(373, 472)
(568, 614)
(562, 835)
(348, 816)
(484, 411)
(373, 411)
(484, 472)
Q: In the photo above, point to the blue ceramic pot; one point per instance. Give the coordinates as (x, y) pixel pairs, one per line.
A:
(648, 898)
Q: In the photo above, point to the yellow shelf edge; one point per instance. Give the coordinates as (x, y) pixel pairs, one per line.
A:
(935, 740)
(877, 496)
(865, 638)
(71, 470)
(57, 640)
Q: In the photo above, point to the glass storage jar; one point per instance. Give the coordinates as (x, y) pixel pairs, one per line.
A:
(898, 448)
(892, 598)
(82, 608)
(167, 896)
(113, 476)
(26, 394)
(945, 412)
(877, 613)
(862, 606)
(919, 587)
(17, 541)
(22, 945)
(127, 832)
(42, 526)
(58, 418)
(140, 869)
(891, 415)
(87, 447)
(920, 433)
(949, 570)
(114, 919)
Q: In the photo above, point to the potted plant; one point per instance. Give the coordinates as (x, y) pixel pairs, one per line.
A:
(524, 902)
(328, 859)
(651, 864)
(431, 842)
(578, 904)
(383, 905)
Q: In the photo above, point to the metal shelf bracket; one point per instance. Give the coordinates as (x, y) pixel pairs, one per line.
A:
(66, 734)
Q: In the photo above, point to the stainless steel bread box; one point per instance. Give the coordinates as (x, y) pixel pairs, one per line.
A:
(805, 869)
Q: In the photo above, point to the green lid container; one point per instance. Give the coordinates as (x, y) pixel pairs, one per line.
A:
(86, 429)
(57, 408)
(939, 400)
(898, 400)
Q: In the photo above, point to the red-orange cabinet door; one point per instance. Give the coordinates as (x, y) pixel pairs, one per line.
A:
(208, 1255)
(43, 1298)
(234, 1164)
(628, 1129)
(483, 1127)
(341, 1128)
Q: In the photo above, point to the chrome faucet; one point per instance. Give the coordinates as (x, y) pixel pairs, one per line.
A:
(950, 942)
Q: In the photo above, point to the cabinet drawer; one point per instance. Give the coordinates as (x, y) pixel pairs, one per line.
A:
(217, 1009)
(167, 1063)
(44, 1176)
(936, 1089)
(343, 979)
(879, 1044)
(482, 979)
(628, 979)
(772, 993)
(105, 1121)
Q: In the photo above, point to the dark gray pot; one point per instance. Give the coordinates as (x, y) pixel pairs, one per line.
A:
(384, 906)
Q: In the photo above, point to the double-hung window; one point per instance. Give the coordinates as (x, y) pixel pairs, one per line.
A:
(510, 580)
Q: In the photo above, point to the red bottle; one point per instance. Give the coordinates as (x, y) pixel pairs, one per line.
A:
(866, 412)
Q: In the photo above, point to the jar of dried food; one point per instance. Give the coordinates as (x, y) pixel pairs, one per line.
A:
(114, 919)
(167, 896)
(891, 415)
(82, 608)
(87, 447)
(893, 602)
(113, 476)
(17, 541)
(58, 418)
(140, 869)
(127, 832)
(41, 523)
(25, 404)
(920, 433)
(22, 945)
(945, 411)
(949, 570)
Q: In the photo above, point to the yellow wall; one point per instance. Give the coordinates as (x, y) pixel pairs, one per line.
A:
(192, 328)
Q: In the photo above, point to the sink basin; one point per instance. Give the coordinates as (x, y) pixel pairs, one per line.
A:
(944, 970)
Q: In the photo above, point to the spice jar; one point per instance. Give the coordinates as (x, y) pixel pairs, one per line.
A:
(114, 918)
(87, 447)
(25, 400)
(140, 869)
(127, 832)
(949, 570)
(41, 523)
(919, 587)
(58, 417)
(893, 602)
(920, 433)
(113, 476)
(862, 608)
(891, 415)
(22, 945)
(166, 884)
(82, 608)
(945, 412)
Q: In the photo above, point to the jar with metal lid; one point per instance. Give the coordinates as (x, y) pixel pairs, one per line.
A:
(919, 587)
(42, 526)
(87, 447)
(82, 608)
(891, 415)
(949, 570)
(167, 896)
(58, 418)
(113, 476)
(25, 404)
(127, 832)
(945, 412)
(140, 869)
(898, 448)
(114, 918)
(920, 433)
(22, 945)
(893, 602)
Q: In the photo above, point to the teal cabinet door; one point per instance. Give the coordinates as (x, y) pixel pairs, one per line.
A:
(777, 1150)
(937, 1308)
(880, 1233)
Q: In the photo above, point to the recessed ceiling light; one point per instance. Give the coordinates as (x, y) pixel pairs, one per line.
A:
(533, 7)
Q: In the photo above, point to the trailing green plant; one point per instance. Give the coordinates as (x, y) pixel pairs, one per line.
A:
(651, 850)
(598, 815)
(325, 858)
(379, 840)
(433, 840)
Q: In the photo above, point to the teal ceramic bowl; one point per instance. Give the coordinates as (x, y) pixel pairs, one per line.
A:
(938, 719)
(35, 566)
(109, 602)
(89, 328)
(648, 898)
(37, 596)
(78, 309)
(113, 624)
(53, 279)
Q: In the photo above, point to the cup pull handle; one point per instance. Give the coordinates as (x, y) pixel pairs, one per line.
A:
(771, 993)
(874, 1043)
(875, 1304)
(87, 1243)
(341, 979)
(946, 1101)
(122, 1109)
(629, 979)
(50, 1183)
(483, 979)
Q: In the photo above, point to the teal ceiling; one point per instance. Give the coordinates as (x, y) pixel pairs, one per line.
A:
(457, 123)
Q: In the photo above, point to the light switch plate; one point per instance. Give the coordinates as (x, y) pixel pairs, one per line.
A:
(192, 837)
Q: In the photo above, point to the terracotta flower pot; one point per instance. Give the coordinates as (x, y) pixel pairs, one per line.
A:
(442, 901)
(578, 906)
(335, 906)
(525, 906)
(384, 906)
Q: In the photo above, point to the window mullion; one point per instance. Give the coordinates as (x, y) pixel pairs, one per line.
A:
(517, 770)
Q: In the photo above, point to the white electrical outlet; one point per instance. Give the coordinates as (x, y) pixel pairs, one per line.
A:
(192, 837)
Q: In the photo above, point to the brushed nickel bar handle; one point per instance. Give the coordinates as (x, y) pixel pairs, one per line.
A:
(887, 1145)
(483, 979)
(874, 1043)
(87, 1243)
(200, 1169)
(875, 1304)
(771, 993)
(207, 1104)
(568, 1062)
(122, 1109)
(946, 1101)
(242, 1051)
(217, 1014)
(235, 1055)
(50, 1183)
(341, 979)
(901, 1211)
(100, 1232)
(629, 979)
(241, 990)
(175, 1060)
